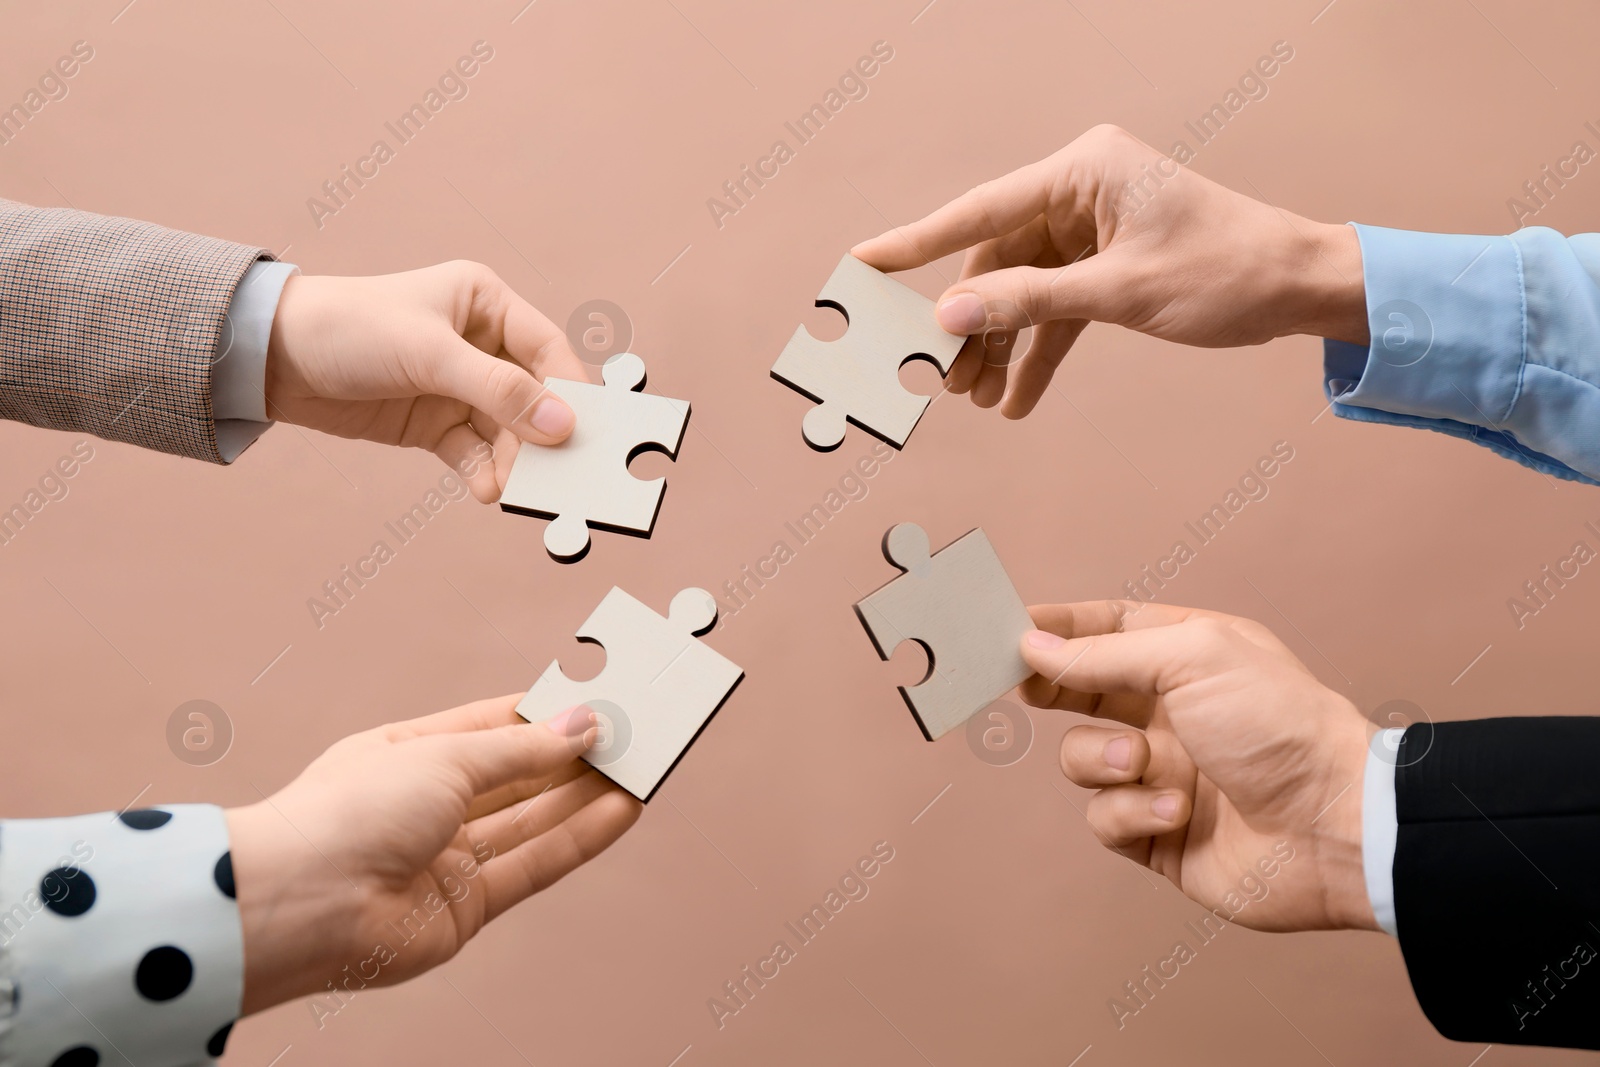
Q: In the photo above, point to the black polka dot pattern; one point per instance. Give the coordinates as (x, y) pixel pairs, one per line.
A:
(164, 973)
(145, 818)
(147, 946)
(67, 891)
(223, 874)
(219, 1042)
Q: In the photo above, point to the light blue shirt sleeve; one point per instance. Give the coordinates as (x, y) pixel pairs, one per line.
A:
(1494, 339)
(239, 364)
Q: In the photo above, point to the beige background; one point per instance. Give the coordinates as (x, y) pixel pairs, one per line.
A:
(579, 167)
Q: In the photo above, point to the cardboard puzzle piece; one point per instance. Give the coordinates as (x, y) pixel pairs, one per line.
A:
(960, 605)
(659, 688)
(857, 377)
(584, 481)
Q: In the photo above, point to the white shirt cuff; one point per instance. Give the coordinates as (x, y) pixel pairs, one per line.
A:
(120, 939)
(1380, 826)
(239, 364)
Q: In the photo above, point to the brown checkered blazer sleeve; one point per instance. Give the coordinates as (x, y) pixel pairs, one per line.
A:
(108, 326)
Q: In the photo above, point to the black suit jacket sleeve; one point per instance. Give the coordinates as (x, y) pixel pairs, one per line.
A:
(1497, 877)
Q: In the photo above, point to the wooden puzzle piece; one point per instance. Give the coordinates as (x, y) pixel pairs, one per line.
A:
(960, 605)
(658, 690)
(584, 481)
(857, 377)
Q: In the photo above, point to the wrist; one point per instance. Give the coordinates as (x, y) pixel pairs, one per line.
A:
(280, 376)
(1331, 292)
(295, 909)
(1337, 834)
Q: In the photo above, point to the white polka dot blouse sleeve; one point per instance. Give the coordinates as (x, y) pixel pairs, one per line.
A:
(119, 939)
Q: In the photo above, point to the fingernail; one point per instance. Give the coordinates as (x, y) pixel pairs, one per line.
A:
(572, 722)
(1165, 807)
(1040, 639)
(1118, 752)
(551, 416)
(962, 313)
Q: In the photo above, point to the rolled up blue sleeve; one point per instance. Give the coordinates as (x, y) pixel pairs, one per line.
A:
(1494, 339)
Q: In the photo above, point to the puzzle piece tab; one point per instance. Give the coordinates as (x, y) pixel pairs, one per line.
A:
(658, 690)
(960, 605)
(857, 377)
(584, 481)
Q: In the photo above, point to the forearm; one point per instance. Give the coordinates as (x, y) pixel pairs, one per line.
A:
(111, 326)
(126, 920)
(1493, 339)
(1497, 880)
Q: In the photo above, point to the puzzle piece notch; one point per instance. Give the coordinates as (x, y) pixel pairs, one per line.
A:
(856, 378)
(658, 690)
(583, 483)
(960, 605)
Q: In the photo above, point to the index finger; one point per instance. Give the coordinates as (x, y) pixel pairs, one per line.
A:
(1123, 616)
(533, 341)
(989, 210)
(1151, 661)
(517, 874)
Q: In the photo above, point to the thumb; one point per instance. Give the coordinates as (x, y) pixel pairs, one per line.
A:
(505, 391)
(492, 758)
(1018, 297)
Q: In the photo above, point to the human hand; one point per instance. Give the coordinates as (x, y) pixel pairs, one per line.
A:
(1110, 230)
(1234, 747)
(445, 358)
(396, 845)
